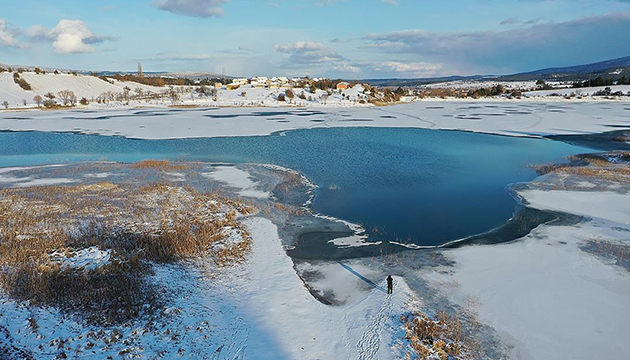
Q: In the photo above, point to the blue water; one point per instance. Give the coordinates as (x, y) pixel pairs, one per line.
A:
(416, 185)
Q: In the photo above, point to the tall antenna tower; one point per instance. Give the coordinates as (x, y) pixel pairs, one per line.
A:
(140, 74)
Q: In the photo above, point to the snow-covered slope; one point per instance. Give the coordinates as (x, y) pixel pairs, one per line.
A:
(82, 85)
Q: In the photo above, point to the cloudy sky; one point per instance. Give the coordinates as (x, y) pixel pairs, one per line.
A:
(336, 38)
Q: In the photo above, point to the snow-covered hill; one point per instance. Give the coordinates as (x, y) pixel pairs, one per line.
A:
(85, 86)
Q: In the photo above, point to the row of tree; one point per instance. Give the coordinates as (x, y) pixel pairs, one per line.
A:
(600, 81)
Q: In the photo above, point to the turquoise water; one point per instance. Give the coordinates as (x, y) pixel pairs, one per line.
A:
(413, 185)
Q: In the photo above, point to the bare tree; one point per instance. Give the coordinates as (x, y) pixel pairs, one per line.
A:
(38, 100)
(172, 93)
(289, 94)
(67, 97)
(5, 104)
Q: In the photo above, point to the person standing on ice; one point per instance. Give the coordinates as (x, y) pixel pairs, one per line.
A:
(390, 284)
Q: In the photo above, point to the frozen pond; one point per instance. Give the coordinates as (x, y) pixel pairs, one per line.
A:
(410, 185)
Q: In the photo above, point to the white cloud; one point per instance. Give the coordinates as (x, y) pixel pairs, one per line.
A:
(179, 57)
(7, 36)
(303, 52)
(524, 48)
(68, 37)
(415, 68)
(197, 8)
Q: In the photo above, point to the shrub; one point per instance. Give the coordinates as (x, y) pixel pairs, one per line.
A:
(281, 97)
(289, 93)
(22, 83)
(38, 71)
(5, 104)
(49, 104)
(49, 95)
(84, 101)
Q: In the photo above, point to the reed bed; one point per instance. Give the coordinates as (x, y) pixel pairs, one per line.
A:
(595, 166)
(139, 225)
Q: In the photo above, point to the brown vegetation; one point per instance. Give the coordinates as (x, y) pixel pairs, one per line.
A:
(592, 166)
(441, 338)
(157, 222)
(163, 165)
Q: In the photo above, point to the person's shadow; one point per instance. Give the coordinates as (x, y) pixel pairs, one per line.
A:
(368, 281)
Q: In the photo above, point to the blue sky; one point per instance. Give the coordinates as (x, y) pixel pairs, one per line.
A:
(335, 38)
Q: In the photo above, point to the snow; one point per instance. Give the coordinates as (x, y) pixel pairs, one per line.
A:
(90, 258)
(257, 310)
(605, 205)
(504, 117)
(543, 294)
(82, 85)
(548, 299)
(304, 327)
(237, 178)
(589, 91)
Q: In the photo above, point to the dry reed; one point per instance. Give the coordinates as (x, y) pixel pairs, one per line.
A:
(153, 223)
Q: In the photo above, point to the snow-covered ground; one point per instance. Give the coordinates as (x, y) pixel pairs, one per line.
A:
(498, 117)
(584, 92)
(260, 310)
(544, 295)
(476, 84)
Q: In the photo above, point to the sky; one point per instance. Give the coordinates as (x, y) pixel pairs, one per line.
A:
(352, 39)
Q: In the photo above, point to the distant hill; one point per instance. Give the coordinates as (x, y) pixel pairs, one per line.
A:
(609, 68)
(614, 68)
(420, 81)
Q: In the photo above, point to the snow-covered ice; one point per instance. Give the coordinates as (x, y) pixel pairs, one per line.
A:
(236, 178)
(504, 117)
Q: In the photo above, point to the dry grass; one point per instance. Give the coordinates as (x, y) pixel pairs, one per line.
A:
(440, 338)
(153, 223)
(619, 253)
(163, 165)
(591, 166)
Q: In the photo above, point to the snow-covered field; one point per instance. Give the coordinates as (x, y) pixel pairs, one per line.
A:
(497, 117)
